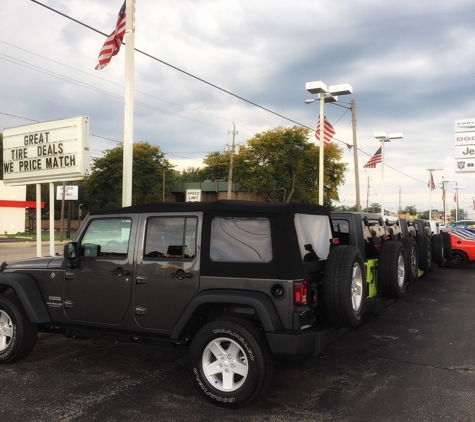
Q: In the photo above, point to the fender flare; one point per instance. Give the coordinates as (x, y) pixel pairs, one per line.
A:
(27, 290)
(259, 301)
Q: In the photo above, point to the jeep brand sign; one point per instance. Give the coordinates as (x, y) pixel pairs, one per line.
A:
(46, 152)
(464, 140)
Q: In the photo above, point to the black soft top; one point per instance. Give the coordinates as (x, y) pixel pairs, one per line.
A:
(221, 205)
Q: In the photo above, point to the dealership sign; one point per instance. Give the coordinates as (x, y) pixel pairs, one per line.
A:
(46, 152)
(464, 140)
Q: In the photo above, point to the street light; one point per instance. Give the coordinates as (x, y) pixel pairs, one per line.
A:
(444, 196)
(384, 137)
(325, 95)
(431, 180)
(457, 201)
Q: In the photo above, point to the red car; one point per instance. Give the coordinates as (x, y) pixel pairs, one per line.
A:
(463, 247)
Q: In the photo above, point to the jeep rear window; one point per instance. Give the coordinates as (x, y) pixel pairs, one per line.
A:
(313, 231)
(171, 237)
(240, 240)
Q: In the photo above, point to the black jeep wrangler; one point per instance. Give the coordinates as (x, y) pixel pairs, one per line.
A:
(235, 282)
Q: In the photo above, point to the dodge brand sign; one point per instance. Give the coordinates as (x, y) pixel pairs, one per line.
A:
(46, 152)
(464, 141)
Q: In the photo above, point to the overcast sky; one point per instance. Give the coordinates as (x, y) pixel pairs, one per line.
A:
(411, 65)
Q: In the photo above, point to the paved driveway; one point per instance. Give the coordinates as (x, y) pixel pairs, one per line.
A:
(414, 363)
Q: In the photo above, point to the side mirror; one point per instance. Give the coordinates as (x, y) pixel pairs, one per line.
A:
(70, 253)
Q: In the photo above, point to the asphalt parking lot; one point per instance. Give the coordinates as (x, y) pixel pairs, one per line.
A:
(416, 362)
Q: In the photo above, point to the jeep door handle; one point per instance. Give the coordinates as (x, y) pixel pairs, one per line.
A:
(181, 275)
(119, 272)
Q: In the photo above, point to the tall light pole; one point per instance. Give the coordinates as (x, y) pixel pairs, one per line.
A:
(444, 190)
(431, 180)
(230, 177)
(457, 201)
(325, 94)
(384, 137)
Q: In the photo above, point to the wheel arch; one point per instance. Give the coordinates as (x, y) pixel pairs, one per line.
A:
(25, 287)
(205, 301)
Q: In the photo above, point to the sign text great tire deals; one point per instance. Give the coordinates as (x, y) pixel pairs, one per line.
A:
(46, 152)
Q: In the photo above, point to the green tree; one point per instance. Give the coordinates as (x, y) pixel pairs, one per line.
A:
(104, 186)
(190, 174)
(282, 165)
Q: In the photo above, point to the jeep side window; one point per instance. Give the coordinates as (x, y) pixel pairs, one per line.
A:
(240, 240)
(170, 237)
(106, 237)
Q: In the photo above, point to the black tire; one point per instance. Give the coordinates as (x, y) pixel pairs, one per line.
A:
(458, 259)
(412, 261)
(425, 252)
(392, 269)
(344, 286)
(17, 334)
(447, 240)
(245, 358)
(437, 242)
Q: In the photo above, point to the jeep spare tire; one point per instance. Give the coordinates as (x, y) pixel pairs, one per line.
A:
(438, 249)
(392, 269)
(344, 286)
(412, 258)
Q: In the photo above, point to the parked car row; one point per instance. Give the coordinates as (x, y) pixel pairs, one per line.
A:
(236, 283)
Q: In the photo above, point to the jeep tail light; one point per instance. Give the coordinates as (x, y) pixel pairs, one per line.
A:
(301, 293)
(335, 241)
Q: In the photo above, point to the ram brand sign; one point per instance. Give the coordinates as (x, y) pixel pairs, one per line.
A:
(464, 142)
(46, 152)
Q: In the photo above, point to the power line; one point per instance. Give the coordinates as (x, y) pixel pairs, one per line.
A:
(203, 80)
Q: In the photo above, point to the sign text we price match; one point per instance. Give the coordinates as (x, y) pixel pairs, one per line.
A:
(49, 151)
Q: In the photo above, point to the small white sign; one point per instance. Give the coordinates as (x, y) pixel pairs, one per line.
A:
(46, 152)
(71, 193)
(464, 125)
(193, 195)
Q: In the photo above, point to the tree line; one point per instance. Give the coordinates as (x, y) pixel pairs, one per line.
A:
(280, 164)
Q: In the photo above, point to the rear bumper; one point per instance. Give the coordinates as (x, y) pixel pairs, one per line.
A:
(295, 345)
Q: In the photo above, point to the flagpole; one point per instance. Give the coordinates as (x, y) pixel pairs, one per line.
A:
(128, 103)
(322, 148)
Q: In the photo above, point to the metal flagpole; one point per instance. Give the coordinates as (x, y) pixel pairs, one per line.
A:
(321, 173)
(128, 103)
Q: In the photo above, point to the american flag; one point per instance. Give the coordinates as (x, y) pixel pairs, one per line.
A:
(375, 159)
(431, 183)
(113, 42)
(328, 132)
(473, 204)
(455, 198)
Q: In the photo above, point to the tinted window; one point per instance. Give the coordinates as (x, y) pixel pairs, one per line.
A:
(170, 238)
(241, 240)
(106, 237)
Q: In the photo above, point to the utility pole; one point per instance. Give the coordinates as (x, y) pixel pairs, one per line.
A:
(230, 178)
(367, 196)
(399, 211)
(355, 156)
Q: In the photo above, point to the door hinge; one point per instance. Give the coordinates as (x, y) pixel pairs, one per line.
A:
(68, 304)
(140, 311)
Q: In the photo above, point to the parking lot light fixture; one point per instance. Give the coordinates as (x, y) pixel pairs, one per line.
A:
(384, 137)
(326, 94)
